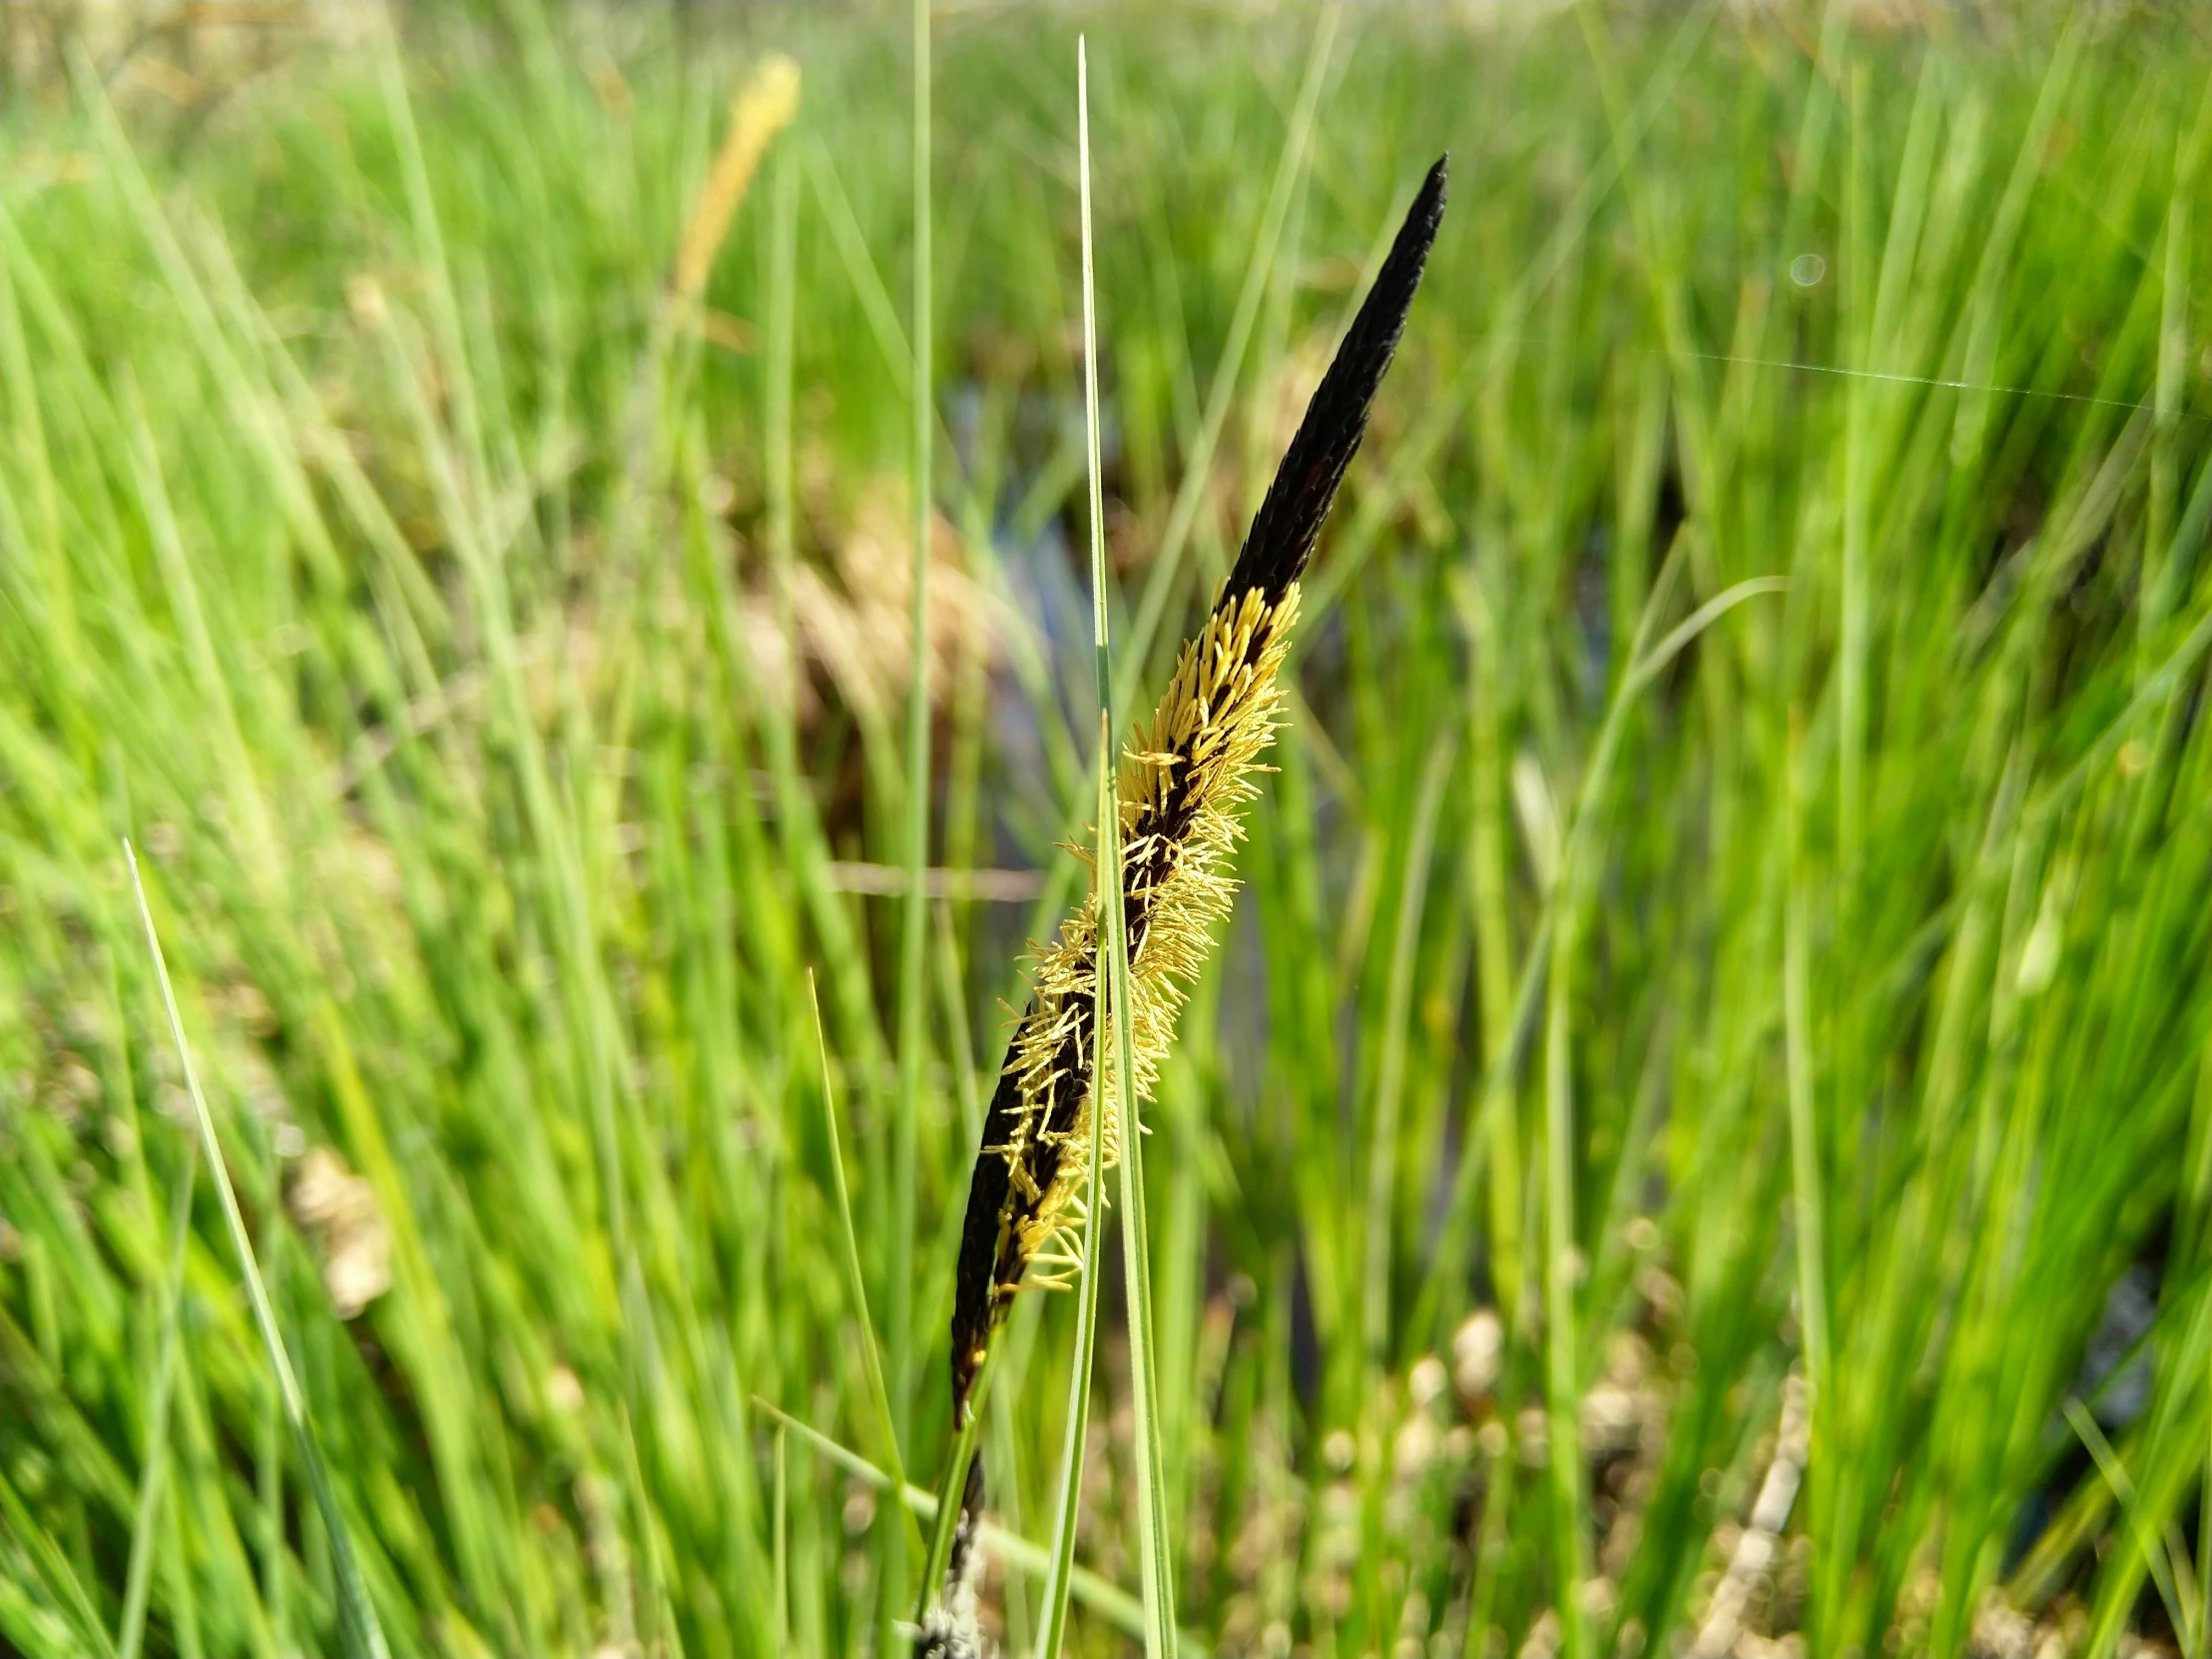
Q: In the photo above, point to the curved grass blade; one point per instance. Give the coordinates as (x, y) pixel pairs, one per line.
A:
(359, 1630)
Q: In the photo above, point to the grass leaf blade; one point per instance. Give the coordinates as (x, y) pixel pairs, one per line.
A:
(359, 1629)
(855, 1282)
(137, 1576)
(1113, 934)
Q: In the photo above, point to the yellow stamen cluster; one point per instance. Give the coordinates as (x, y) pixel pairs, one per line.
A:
(1183, 778)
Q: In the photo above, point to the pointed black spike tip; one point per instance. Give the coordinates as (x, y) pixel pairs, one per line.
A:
(1284, 530)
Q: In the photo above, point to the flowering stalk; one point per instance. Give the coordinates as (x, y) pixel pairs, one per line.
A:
(1185, 778)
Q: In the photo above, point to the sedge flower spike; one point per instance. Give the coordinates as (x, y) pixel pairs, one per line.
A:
(1185, 776)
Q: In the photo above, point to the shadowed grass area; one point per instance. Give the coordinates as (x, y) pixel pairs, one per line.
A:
(1699, 1126)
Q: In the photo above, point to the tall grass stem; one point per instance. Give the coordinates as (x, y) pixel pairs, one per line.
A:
(914, 988)
(152, 1477)
(1067, 1505)
(1154, 1545)
(855, 1282)
(359, 1629)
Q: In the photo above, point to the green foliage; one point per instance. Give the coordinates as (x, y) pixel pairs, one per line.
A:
(412, 585)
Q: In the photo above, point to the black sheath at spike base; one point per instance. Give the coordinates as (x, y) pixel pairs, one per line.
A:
(1186, 775)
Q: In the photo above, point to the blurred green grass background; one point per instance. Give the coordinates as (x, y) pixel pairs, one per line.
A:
(1715, 1160)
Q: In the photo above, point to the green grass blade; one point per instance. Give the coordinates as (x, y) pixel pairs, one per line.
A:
(799, 821)
(915, 918)
(1562, 1266)
(1067, 1504)
(950, 1487)
(359, 1629)
(52, 1564)
(1499, 1126)
(1389, 1091)
(855, 1282)
(782, 1556)
(914, 992)
(1154, 1545)
(1806, 1199)
(1065, 1507)
(145, 1523)
(1804, 1167)
(1562, 1274)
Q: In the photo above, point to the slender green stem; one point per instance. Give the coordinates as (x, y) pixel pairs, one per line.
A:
(956, 1479)
(2148, 1544)
(1807, 1201)
(1805, 1164)
(1390, 1090)
(781, 1565)
(1563, 1266)
(1061, 1566)
(799, 821)
(1118, 1010)
(359, 1629)
(855, 1282)
(914, 927)
(138, 1577)
(1499, 1131)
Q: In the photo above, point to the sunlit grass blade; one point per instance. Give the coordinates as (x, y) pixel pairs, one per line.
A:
(1383, 1152)
(359, 1630)
(1806, 1191)
(1067, 1505)
(913, 990)
(855, 1282)
(1155, 1549)
(152, 1477)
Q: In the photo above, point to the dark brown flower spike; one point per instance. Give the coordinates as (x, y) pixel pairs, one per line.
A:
(1185, 775)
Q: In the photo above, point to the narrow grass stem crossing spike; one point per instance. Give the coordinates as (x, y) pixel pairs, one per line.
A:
(1067, 1509)
(145, 1522)
(1113, 1000)
(914, 921)
(1184, 777)
(359, 1630)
